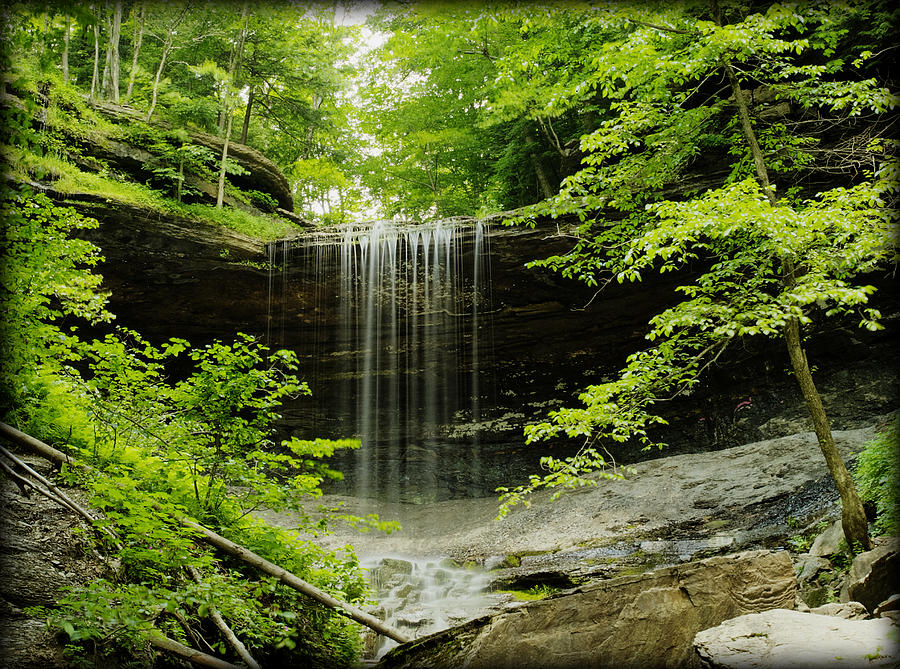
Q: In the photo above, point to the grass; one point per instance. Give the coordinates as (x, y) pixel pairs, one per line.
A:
(70, 180)
(264, 228)
(533, 593)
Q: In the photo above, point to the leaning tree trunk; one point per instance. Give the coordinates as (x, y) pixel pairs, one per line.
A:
(853, 516)
(220, 193)
(167, 46)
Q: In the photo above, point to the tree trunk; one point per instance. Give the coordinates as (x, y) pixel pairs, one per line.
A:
(235, 643)
(187, 653)
(246, 127)
(96, 59)
(220, 194)
(104, 86)
(292, 581)
(167, 46)
(138, 40)
(112, 89)
(853, 516)
(540, 173)
(65, 53)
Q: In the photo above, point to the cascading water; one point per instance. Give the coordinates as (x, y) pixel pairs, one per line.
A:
(422, 596)
(395, 318)
(390, 322)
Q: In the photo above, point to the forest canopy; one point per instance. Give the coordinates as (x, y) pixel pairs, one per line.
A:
(753, 142)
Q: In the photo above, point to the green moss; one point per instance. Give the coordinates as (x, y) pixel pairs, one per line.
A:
(533, 593)
(511, 561)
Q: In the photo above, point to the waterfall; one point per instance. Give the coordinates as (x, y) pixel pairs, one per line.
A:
(390, 322)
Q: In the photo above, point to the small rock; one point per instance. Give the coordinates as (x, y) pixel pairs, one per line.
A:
(404, 591)
(809, 566)
(827, 543)
(414, 619)
(845, 610)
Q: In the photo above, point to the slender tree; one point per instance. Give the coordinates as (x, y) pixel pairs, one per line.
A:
(169, 30)
(675, 82)
(111, 69)
(67, 32)
(137, 40)
(96, 72)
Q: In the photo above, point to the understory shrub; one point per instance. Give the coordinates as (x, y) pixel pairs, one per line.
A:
(877, 475)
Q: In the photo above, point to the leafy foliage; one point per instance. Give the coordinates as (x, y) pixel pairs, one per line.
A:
(877, 477)
(199, 446)
(759, 264)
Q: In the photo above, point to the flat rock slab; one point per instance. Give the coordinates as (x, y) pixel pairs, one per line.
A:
(783, 639)
(737, 484)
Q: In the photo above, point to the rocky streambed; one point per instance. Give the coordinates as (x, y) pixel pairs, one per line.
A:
(452, 562)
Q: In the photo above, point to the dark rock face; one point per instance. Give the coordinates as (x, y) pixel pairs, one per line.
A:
(542, 340)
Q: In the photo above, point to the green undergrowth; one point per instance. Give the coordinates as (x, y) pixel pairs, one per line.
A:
(55, 154)
(877, 475)
(161, 448)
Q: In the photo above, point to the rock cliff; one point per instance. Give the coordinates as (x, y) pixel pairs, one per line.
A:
(545, 339)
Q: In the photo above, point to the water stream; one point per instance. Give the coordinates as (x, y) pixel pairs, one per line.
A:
(394, 320)
(422, 596)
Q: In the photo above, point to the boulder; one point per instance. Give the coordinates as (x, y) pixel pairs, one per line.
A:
(890, 605)
(827, 543)
(873, 576)
(848, 610)
(782, 639)
(808, 566)
(637, 620)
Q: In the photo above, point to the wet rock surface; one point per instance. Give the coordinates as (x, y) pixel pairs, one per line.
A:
(673, 508)
(630, 621)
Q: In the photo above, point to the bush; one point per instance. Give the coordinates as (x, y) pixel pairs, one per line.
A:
(877, 476)
(263, 201)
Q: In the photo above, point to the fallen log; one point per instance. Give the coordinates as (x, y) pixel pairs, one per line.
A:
(52, 492)
(187, 653)
(228, 546)
(294, 582)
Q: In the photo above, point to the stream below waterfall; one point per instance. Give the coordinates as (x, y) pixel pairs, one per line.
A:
(421, 596)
